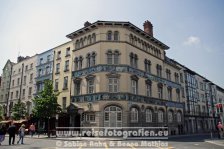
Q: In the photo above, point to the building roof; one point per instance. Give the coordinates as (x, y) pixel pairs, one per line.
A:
(117, 23)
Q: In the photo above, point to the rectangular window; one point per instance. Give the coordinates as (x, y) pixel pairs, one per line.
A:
(68, 51)
(13, 83)
(24, 92)
(40, 72)
(11, 95)
(66, 65)
(90, 117)
(134, 86)
(41, 61)
(169, 91)
(47, 70)
(202, 97)
(90, 86)
(181, 78)
(182, 90)
(24, 80)
(30, 91)
(18, 80)
(31, 78)
(65, 85)
(160, 92)
(17, 94)
(56, 84)
(64, 103)
(178, 96)
(31, 66)
(48, 58)
(148, 90)
(113, 85)
(26, 68)
(77, 87)
(58, 68)
(59, 55)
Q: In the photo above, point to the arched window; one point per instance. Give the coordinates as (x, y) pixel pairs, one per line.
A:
(116, 35)
(112, 116)
(131, 39)
(80, 62)
(89, 40)
(77, 44)
(160, 116)
(135, 40)
(109, 35)
(148, 84)
(76, 63)
(134, 115)
(147, 66)
(136, 61)
(116, 57)
(81, 42)
(88, 60)
(179, 119)
(170, 116)
(93, 37)
(109, 57)
(93, 62)
(148, 115)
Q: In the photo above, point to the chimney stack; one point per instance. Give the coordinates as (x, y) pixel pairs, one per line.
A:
(148, 28)
(87, 23)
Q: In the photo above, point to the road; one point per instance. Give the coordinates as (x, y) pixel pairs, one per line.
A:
(188, 142)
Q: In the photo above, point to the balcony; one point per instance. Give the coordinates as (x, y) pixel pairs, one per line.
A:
(125, 96)
(123, 69)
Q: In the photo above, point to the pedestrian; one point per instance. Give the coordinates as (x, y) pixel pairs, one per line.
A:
(3, 131)
(32, 129)
(12, 132)
(21, 133)
(220, 129)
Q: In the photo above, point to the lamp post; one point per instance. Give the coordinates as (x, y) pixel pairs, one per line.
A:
(80, 111)
(167, 122)
(56, 122)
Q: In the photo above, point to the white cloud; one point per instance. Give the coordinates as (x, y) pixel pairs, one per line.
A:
(192, 40)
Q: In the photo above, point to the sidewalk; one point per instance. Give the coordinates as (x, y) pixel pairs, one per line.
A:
(216, 141)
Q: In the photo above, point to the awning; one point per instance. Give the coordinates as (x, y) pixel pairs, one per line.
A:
(4, 122)
(20, 121)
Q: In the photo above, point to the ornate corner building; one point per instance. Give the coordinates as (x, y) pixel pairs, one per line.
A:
(121, 77)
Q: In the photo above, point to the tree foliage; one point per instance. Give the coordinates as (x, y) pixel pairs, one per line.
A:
(1, 112)
(19, 110)
(45, 103)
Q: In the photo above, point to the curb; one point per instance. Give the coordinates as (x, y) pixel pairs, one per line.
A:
(213, 142)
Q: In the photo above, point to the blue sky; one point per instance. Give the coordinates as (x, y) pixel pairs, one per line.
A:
(193, 29)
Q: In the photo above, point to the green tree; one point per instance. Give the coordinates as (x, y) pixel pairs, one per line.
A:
(19, 110)
(1, 112)
(46, 105)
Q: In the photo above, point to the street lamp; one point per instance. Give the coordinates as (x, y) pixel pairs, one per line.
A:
(80, 111)
(56, 122)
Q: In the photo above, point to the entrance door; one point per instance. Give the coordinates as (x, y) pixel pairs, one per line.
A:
(112, 116)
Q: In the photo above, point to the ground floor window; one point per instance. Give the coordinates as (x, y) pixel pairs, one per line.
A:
(90, 117)
(160, 116)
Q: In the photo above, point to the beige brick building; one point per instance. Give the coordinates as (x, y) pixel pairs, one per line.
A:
(122, 77)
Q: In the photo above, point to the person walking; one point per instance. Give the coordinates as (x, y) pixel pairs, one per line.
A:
(220, 129)
(32, 129)
(21, 133)
(12, 132)
(3, 131)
